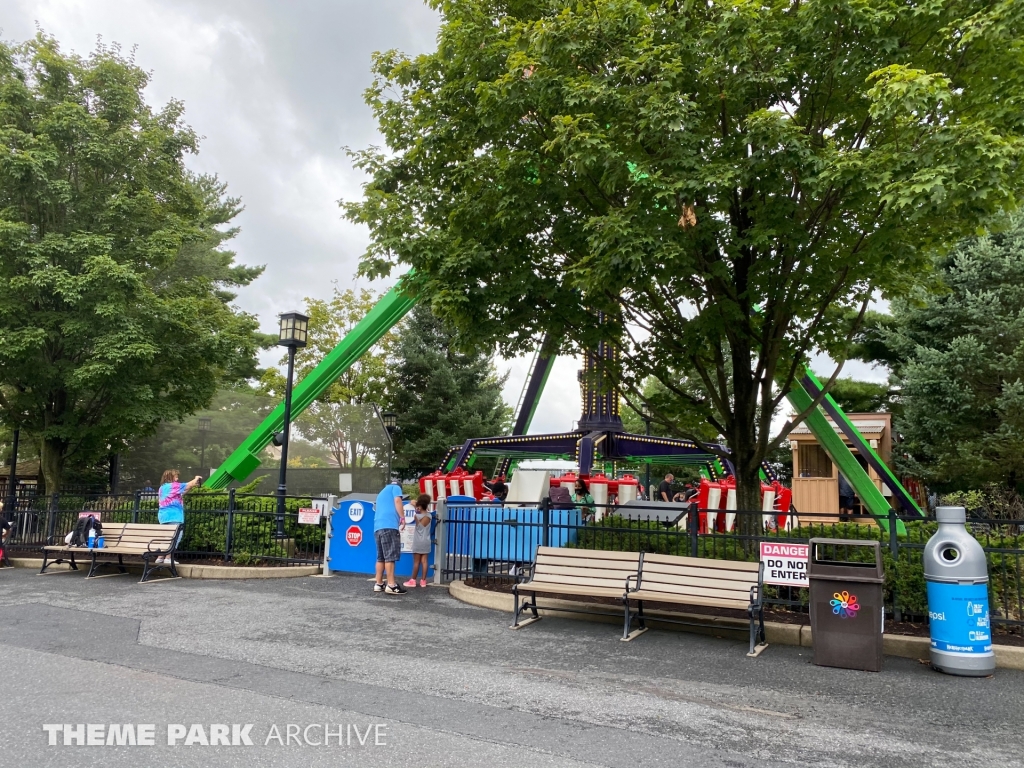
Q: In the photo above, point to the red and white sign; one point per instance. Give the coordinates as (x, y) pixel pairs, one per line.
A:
(97, 515)
(309, 516)
(785, 564)
(354, 535)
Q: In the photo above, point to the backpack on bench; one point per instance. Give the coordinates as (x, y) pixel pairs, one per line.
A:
(79, 536)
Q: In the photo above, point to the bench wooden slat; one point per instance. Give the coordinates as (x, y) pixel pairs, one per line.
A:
(681, 594)
(601, 584)
(699, 562)
(659, 597)
(570, 571)
(664, 572)
(588, 554)
(708, 578)
(569, 589)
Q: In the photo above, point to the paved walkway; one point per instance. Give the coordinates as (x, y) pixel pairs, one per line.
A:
(451, 686)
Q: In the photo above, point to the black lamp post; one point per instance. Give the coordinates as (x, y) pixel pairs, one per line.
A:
(645, 414)
(12, 480)
(204, 427)
(390, 422)
(293, 335)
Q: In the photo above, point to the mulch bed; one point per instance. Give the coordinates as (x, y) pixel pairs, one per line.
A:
(907, 628)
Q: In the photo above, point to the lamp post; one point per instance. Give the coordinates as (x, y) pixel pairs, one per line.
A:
(390, 422)
(204, 427)
(645, 414)
(294, 327)
(12, 479)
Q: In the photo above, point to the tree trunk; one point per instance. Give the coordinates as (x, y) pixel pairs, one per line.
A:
(51, 464)
(748, 501)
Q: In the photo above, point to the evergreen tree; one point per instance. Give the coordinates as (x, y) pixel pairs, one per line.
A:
(957, 354)
(445, 394)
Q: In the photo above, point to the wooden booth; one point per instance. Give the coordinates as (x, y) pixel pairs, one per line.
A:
(816, 478)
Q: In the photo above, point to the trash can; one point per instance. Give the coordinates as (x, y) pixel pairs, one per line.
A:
(956, 576)
(847, 614)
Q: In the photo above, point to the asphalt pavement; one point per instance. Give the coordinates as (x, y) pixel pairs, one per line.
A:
(423, 680)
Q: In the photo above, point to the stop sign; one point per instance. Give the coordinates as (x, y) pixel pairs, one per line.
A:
(354, 535)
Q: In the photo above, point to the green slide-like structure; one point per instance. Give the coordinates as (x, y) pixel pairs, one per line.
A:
(392, 307)
(395, 304)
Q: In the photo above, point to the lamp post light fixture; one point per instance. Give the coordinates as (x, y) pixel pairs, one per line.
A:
(645, 414)
(293, 333)
(204, 427)
(389, 421)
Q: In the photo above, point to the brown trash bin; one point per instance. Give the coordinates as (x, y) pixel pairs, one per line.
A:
(847, 614)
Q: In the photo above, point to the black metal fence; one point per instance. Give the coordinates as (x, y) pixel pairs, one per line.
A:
(219, 528)
(486, 542)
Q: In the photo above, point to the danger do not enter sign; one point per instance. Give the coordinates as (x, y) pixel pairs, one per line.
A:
(785, 564)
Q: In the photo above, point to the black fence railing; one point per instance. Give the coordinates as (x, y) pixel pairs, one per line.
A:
(487, 542)
(226, 528)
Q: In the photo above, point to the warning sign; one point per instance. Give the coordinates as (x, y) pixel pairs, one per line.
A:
(309, 516)
(354, 535)
(785, 564)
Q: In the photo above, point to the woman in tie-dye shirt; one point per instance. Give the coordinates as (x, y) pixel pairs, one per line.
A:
(172, 507)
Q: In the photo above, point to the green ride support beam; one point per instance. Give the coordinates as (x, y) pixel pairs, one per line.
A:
(387, 313)
(872, 498)
(863, 447)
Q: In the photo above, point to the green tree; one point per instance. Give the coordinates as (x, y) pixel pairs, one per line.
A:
(855, 396)
(342, 418)
(444, 394)
(717, 187)
(115, 302)
(959, 365)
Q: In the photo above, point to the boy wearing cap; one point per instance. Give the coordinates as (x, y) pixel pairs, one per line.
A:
(388, 520)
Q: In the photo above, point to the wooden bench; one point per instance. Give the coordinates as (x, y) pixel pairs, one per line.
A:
(147, 541)
(699, 582)
(578, 572)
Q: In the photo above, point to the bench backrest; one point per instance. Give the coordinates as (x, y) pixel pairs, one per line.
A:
(138, 535)
(726, 580)
(585, 567)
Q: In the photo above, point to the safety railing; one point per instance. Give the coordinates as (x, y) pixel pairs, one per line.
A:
(488, 542)
(244, 529)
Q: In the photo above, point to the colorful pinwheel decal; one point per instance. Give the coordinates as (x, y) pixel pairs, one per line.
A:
(844, 605)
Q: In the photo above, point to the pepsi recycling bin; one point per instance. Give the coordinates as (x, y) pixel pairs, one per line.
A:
(956, 575)
(352, 548)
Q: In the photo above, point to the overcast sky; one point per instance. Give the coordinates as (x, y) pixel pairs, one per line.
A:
(275, 88)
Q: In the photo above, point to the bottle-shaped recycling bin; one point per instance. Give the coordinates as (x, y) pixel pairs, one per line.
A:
(956, 574)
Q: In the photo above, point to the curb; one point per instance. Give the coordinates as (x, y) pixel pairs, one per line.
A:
(187, 571)
(1007, 656)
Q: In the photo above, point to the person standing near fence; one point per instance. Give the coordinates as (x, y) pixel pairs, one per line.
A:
(847, 498)
(172, 503)
(388, 520)
(665, 489)
(421, 542)
(581, 498)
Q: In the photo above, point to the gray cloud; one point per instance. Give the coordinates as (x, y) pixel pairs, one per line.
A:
(276, 91)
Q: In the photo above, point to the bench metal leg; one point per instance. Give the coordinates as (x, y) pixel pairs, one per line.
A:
(757, 636)
(530, 605)
(146, 568)
(93, 567)
(640, 622)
